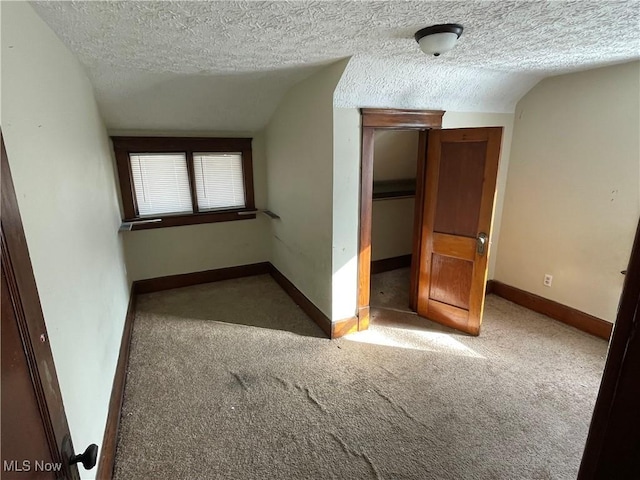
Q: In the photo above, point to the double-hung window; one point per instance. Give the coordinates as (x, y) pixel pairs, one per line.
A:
(183, 181)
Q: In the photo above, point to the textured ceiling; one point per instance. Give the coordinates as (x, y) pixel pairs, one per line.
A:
(226, 65)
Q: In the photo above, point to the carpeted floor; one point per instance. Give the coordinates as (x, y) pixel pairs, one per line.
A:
(231, 380)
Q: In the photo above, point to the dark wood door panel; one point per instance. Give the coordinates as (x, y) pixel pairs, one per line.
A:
(450, 316)
(452, 246)
(460, 188)
(20, 411)
(451, 281)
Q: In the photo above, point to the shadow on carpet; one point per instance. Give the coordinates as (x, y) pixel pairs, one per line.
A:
(253, 301)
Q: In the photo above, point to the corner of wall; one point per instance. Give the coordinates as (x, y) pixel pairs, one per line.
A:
(572, 197)
(299, 149)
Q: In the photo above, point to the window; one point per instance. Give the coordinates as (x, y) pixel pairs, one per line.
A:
(183, 181)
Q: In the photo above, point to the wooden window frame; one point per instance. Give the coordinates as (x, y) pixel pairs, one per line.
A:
(124, 146)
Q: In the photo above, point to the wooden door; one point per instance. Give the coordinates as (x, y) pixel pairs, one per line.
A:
(462, 166)
(36, 442)
(612, 449)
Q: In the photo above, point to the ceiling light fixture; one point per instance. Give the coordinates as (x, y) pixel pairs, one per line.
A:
(438, 39)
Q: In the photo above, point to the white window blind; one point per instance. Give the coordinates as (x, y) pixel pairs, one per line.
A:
(219, 181)
(161, 182)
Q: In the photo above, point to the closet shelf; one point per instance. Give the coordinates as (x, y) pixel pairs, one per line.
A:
(387, 189)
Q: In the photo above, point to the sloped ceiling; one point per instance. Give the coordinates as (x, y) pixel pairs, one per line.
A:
(225, 65)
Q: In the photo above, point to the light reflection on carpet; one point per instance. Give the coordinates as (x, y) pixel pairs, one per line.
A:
(413, 339)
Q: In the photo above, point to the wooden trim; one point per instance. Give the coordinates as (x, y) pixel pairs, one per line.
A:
(401, 119)
(388, 264)
(196, 278)
(344, 327)
(302, 301)
(580, 320)
(611, 450)
(488, 289)
(247, 172)
(182, 144)
(421, 173)
(192, 219)
(129, 203)
(124, 146)
(191, 171)
(387, 119)
(332, 329)
(364, 317)
(107, 458)
(366, 215)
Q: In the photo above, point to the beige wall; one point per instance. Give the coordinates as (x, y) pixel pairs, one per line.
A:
(169, 251)
(572, 200)
(299, 146)
(395, 155)
(61, 166)
(479, 119)
(392, 228)
(346, 201)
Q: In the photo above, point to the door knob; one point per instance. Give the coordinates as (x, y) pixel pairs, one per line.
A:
(481, 243)
(87, 458)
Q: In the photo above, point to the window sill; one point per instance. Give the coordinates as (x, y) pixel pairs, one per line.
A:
(191, 219)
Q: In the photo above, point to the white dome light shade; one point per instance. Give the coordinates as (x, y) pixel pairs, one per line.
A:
(438, 39)
(438, 43)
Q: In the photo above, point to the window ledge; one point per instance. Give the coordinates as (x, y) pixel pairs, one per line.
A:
(143, 223)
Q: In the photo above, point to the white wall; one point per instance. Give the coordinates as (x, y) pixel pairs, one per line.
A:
(572, 200)
(174, 250)
(299, 146)
(61, 166)
(505, 120)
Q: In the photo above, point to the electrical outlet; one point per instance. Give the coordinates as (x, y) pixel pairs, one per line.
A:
(548, 279)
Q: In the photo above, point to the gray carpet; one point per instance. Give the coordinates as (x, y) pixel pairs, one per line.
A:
(231, 380)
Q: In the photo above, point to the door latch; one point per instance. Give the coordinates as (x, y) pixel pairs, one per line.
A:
(481, 243)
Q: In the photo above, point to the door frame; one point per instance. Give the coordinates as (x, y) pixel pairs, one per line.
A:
(611, 449)
(387, 119)
(31, 325)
